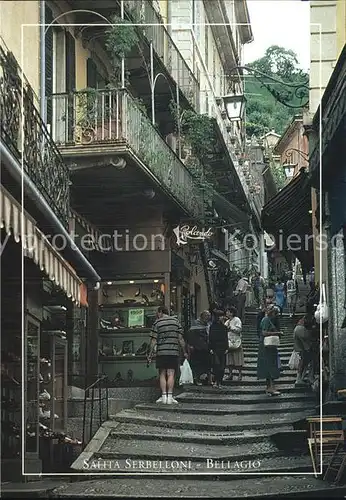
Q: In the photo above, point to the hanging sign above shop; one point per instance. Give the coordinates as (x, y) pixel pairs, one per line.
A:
(186, 234)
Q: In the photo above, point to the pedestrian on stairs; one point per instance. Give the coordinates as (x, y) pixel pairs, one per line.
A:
(303, 343)
(240, 293)
(167, 335)
(292, 292)
(235, 356)
(197, 339)
(268, 359)
(258, 285)
(218, 347)
(280, 295)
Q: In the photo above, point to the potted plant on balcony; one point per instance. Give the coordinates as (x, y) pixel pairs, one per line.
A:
(86, 118)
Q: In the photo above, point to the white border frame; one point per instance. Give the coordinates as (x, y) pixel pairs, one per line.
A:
(131, 473)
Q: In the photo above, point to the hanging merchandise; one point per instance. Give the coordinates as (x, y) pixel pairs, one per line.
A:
(322, 312)
(294, 361)
(186, 376)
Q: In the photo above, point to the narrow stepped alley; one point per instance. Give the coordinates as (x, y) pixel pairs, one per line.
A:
(237, 429)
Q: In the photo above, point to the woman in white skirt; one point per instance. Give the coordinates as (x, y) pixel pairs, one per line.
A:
(235, 355)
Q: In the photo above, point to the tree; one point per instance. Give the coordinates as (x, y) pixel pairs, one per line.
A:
(264, 112)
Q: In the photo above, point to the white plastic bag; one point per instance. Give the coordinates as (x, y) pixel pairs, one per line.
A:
(294, 361)
(271, 341)
(186, 376)
(322, 313)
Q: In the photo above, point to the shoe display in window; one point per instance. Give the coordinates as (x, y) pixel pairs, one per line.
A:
(142, 350)
(128, 348)
(116, 351)
(118, 377)
(44, 396)
(46, 414)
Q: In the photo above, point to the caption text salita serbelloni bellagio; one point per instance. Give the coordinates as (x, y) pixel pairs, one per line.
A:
(102, 464)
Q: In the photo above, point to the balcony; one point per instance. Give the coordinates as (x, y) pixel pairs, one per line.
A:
(101, 123)
(25, 135)
(165, 48)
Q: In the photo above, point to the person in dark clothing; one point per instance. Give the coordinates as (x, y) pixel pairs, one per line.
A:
(197, 339)
(218, 346)
(260, 316)
(262, 313)
(312, 300)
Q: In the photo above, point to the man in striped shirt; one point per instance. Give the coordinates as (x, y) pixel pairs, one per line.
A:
(167, 335)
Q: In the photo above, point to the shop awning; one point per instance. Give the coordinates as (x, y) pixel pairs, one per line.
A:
(222, 258)
(288, 214)
(101, 241)
(35, 245)
(229, 211)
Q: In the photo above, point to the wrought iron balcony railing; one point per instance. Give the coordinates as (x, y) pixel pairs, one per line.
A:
(114, 117)
(27, 137)
(154, 30)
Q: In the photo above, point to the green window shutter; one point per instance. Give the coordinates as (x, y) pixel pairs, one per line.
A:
(49, 63)
(91, 74)
(70, 63)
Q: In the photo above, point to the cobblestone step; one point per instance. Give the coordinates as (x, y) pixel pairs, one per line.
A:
(251, 380)
(118, 448)
(138, 431)
(203, 422)
(254, 487)
(253, 344)
(247, 392)
(231, 409)
(251, 369)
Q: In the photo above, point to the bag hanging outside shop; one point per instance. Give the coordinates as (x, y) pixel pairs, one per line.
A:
(186, 376)
(322, 312)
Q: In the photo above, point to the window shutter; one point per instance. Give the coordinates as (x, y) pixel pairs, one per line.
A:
(49, 63)
(70, 80)
(91, 74)
(70, 63)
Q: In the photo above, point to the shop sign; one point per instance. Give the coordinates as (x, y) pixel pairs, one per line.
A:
(186, 234)
(136, 317)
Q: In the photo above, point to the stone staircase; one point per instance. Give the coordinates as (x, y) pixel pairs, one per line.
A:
(231, 434)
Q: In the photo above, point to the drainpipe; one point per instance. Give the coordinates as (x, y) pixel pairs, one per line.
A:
(44, 207)
(42, 62)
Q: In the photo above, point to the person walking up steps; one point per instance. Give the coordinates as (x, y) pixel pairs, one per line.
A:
(292, 295)
(218, 347)
(167, 335)
(280, 295)
(235, 355)
(258, 286)
(197, 339)
(240, 293)
(267, 363)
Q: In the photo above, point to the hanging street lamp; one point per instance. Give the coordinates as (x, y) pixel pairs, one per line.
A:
(289, 165)
(289, 169)
(235, 106)
(291, 95)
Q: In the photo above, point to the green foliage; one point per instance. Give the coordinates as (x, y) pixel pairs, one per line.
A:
(278, 174)
(196, 129)
(264, 112)
(121, 37)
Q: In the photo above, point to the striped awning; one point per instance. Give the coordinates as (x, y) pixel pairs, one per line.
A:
(96, 236)
(35, 245)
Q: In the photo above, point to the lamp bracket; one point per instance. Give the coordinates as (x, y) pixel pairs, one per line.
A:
(290, 152)
(290, 93)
